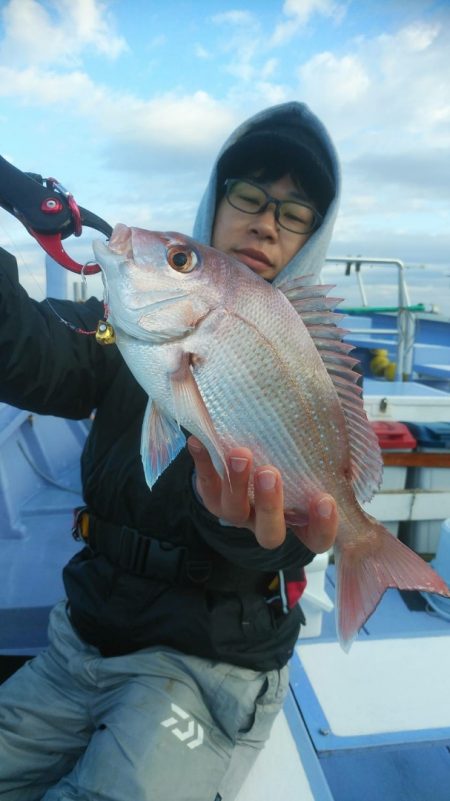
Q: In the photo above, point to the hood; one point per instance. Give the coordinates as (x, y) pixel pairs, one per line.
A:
(296, 127)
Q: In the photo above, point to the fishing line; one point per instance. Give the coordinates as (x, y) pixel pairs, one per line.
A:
(72, 327)
(104, 332)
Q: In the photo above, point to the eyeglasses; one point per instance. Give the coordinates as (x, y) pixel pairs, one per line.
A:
(251, 198)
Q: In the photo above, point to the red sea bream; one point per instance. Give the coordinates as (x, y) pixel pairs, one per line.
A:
(238, 361)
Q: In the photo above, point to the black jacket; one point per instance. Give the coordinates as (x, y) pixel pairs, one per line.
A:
(49, 368)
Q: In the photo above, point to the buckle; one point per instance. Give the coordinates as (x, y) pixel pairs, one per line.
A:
(140, 554)
(198, 571)
(163, 559)
(80, 526)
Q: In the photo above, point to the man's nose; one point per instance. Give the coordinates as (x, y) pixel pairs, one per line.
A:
(265, 221)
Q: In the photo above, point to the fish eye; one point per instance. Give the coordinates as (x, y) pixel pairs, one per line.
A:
(183, 261)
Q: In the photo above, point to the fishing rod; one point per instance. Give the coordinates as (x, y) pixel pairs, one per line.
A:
(49, 212)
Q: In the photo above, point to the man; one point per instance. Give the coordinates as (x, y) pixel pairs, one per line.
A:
(167, 664)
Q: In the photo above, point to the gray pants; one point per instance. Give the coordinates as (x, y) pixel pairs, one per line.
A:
(150, 726)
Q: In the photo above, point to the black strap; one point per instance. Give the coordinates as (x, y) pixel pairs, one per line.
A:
(139, 553)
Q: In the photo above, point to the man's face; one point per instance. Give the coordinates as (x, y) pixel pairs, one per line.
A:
(258, 240)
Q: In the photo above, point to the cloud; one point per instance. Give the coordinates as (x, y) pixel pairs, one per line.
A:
(188, 125)
(201, 52)
(385, 90)
(58, 34)
(248, 45)
(387, 242)
(243, 43)
(343, 80)
(35, 86)
(299, 13)
(239, 18)
(418, 37)
(425, 173)
(384, 98)
(160, 40)
(173, 122)
(269, 67)
(386, 101)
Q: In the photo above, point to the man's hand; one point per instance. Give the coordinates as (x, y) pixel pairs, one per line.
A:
(229, 501)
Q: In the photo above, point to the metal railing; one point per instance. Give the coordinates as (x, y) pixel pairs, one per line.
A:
(404, 332)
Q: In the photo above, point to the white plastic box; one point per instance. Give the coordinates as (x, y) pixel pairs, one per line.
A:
(424, 535)
(407, 401)
(315, 600)
(394, 478)
(396, 438)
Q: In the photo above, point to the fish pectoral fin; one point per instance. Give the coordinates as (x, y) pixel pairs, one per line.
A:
(192, 410)
(161, 440)
(169, 318)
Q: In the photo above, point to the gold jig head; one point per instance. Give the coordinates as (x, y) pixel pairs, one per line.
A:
(105, 334)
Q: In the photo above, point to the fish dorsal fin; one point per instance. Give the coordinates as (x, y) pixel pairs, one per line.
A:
(322, 323)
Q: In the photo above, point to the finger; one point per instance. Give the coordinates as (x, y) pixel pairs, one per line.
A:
(235, 501)
(269, 524)
(208, 482)
(321, 531)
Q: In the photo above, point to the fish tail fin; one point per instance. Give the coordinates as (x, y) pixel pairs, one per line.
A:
(366, 569)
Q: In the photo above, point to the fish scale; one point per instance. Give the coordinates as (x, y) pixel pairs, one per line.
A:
(237, 361)
(278, 444)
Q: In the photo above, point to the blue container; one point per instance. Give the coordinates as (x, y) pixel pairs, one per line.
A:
(431, 435)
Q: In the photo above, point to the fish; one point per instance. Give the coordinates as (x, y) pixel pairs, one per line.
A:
(236, 360)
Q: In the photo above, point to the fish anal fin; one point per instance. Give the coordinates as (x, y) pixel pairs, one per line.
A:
(365, 570)
(161, 440)
(192, 410)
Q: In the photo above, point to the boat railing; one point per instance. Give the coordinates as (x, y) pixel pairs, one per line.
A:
(403, 333)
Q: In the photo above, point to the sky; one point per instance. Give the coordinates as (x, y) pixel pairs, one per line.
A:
(127, 102)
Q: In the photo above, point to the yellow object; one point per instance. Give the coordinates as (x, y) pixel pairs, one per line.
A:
(105, 333)
(381, 364)
(378, 364)
(83, 525)
(390, 370)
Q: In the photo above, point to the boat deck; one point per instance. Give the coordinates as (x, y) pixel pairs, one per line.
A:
(371, 724)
